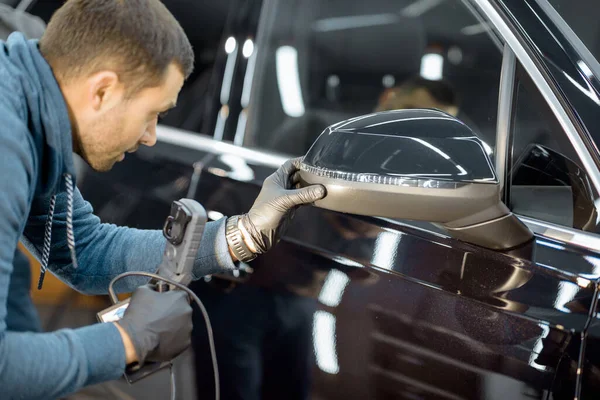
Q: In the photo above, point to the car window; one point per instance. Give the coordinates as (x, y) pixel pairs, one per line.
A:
(548, 181)
(321, 62)
(582, 18)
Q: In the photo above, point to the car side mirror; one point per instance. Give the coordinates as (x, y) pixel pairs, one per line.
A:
(544, 176)
(414, 164)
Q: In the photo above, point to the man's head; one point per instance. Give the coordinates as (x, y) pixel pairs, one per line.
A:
(120, 64)
(420, 93)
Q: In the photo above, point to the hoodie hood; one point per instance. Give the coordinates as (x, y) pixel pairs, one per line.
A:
(41, 99)
(48, 113)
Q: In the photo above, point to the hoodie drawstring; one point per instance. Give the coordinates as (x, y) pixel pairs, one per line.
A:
(70, 234)
(47, 242)
(48, 231)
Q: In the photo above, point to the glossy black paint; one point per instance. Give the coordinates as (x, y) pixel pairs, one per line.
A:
(404, 143)
(350, 307)
(591, 361)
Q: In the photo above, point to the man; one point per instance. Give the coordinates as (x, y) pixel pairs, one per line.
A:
(418, 92)
(297, 135)
(95, 84)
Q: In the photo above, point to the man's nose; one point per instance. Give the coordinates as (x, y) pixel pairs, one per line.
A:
(149, 138)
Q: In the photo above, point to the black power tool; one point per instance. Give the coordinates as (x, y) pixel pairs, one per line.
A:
(183, 230)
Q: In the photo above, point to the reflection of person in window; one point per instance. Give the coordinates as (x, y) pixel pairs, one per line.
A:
(419, 93)
(296, 135)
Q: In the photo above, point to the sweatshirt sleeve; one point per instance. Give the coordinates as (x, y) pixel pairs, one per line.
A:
(35, 365)
(106, 250)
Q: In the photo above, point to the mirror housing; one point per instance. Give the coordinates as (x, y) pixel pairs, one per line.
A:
(414, 164)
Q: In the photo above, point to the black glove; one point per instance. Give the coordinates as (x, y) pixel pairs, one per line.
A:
(274, 207)
(159, 324)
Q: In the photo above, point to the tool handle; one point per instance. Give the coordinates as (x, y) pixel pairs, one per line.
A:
(183, 230)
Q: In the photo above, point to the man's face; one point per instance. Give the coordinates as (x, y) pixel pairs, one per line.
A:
(109, 125)
(398, 99)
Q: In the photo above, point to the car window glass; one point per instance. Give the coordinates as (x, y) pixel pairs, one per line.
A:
(582, 18)
(326, 61)
(548, 181)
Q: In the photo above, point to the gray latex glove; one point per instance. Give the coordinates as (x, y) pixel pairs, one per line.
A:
(274, 207)
(159, 324)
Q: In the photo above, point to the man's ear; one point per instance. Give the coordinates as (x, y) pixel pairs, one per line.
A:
(104, 90)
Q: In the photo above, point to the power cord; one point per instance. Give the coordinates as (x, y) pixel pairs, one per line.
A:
(211, 340)
(173, 387)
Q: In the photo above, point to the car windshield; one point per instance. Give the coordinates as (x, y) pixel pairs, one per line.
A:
(321, 62)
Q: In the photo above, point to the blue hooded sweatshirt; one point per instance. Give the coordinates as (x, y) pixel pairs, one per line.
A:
(36, 163)
(22, 315)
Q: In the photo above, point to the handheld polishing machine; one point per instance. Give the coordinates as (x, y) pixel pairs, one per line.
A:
(183, 230)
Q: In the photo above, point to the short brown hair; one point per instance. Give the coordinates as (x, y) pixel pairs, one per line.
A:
(138, 39)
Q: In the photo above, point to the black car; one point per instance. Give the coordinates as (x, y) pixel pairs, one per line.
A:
(389, 296)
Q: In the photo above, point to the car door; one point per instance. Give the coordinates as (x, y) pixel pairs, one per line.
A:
(568, 48)
(552, 192)
(360, 307)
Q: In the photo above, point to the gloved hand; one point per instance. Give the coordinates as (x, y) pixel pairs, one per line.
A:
(274, 207)
(158, 324)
